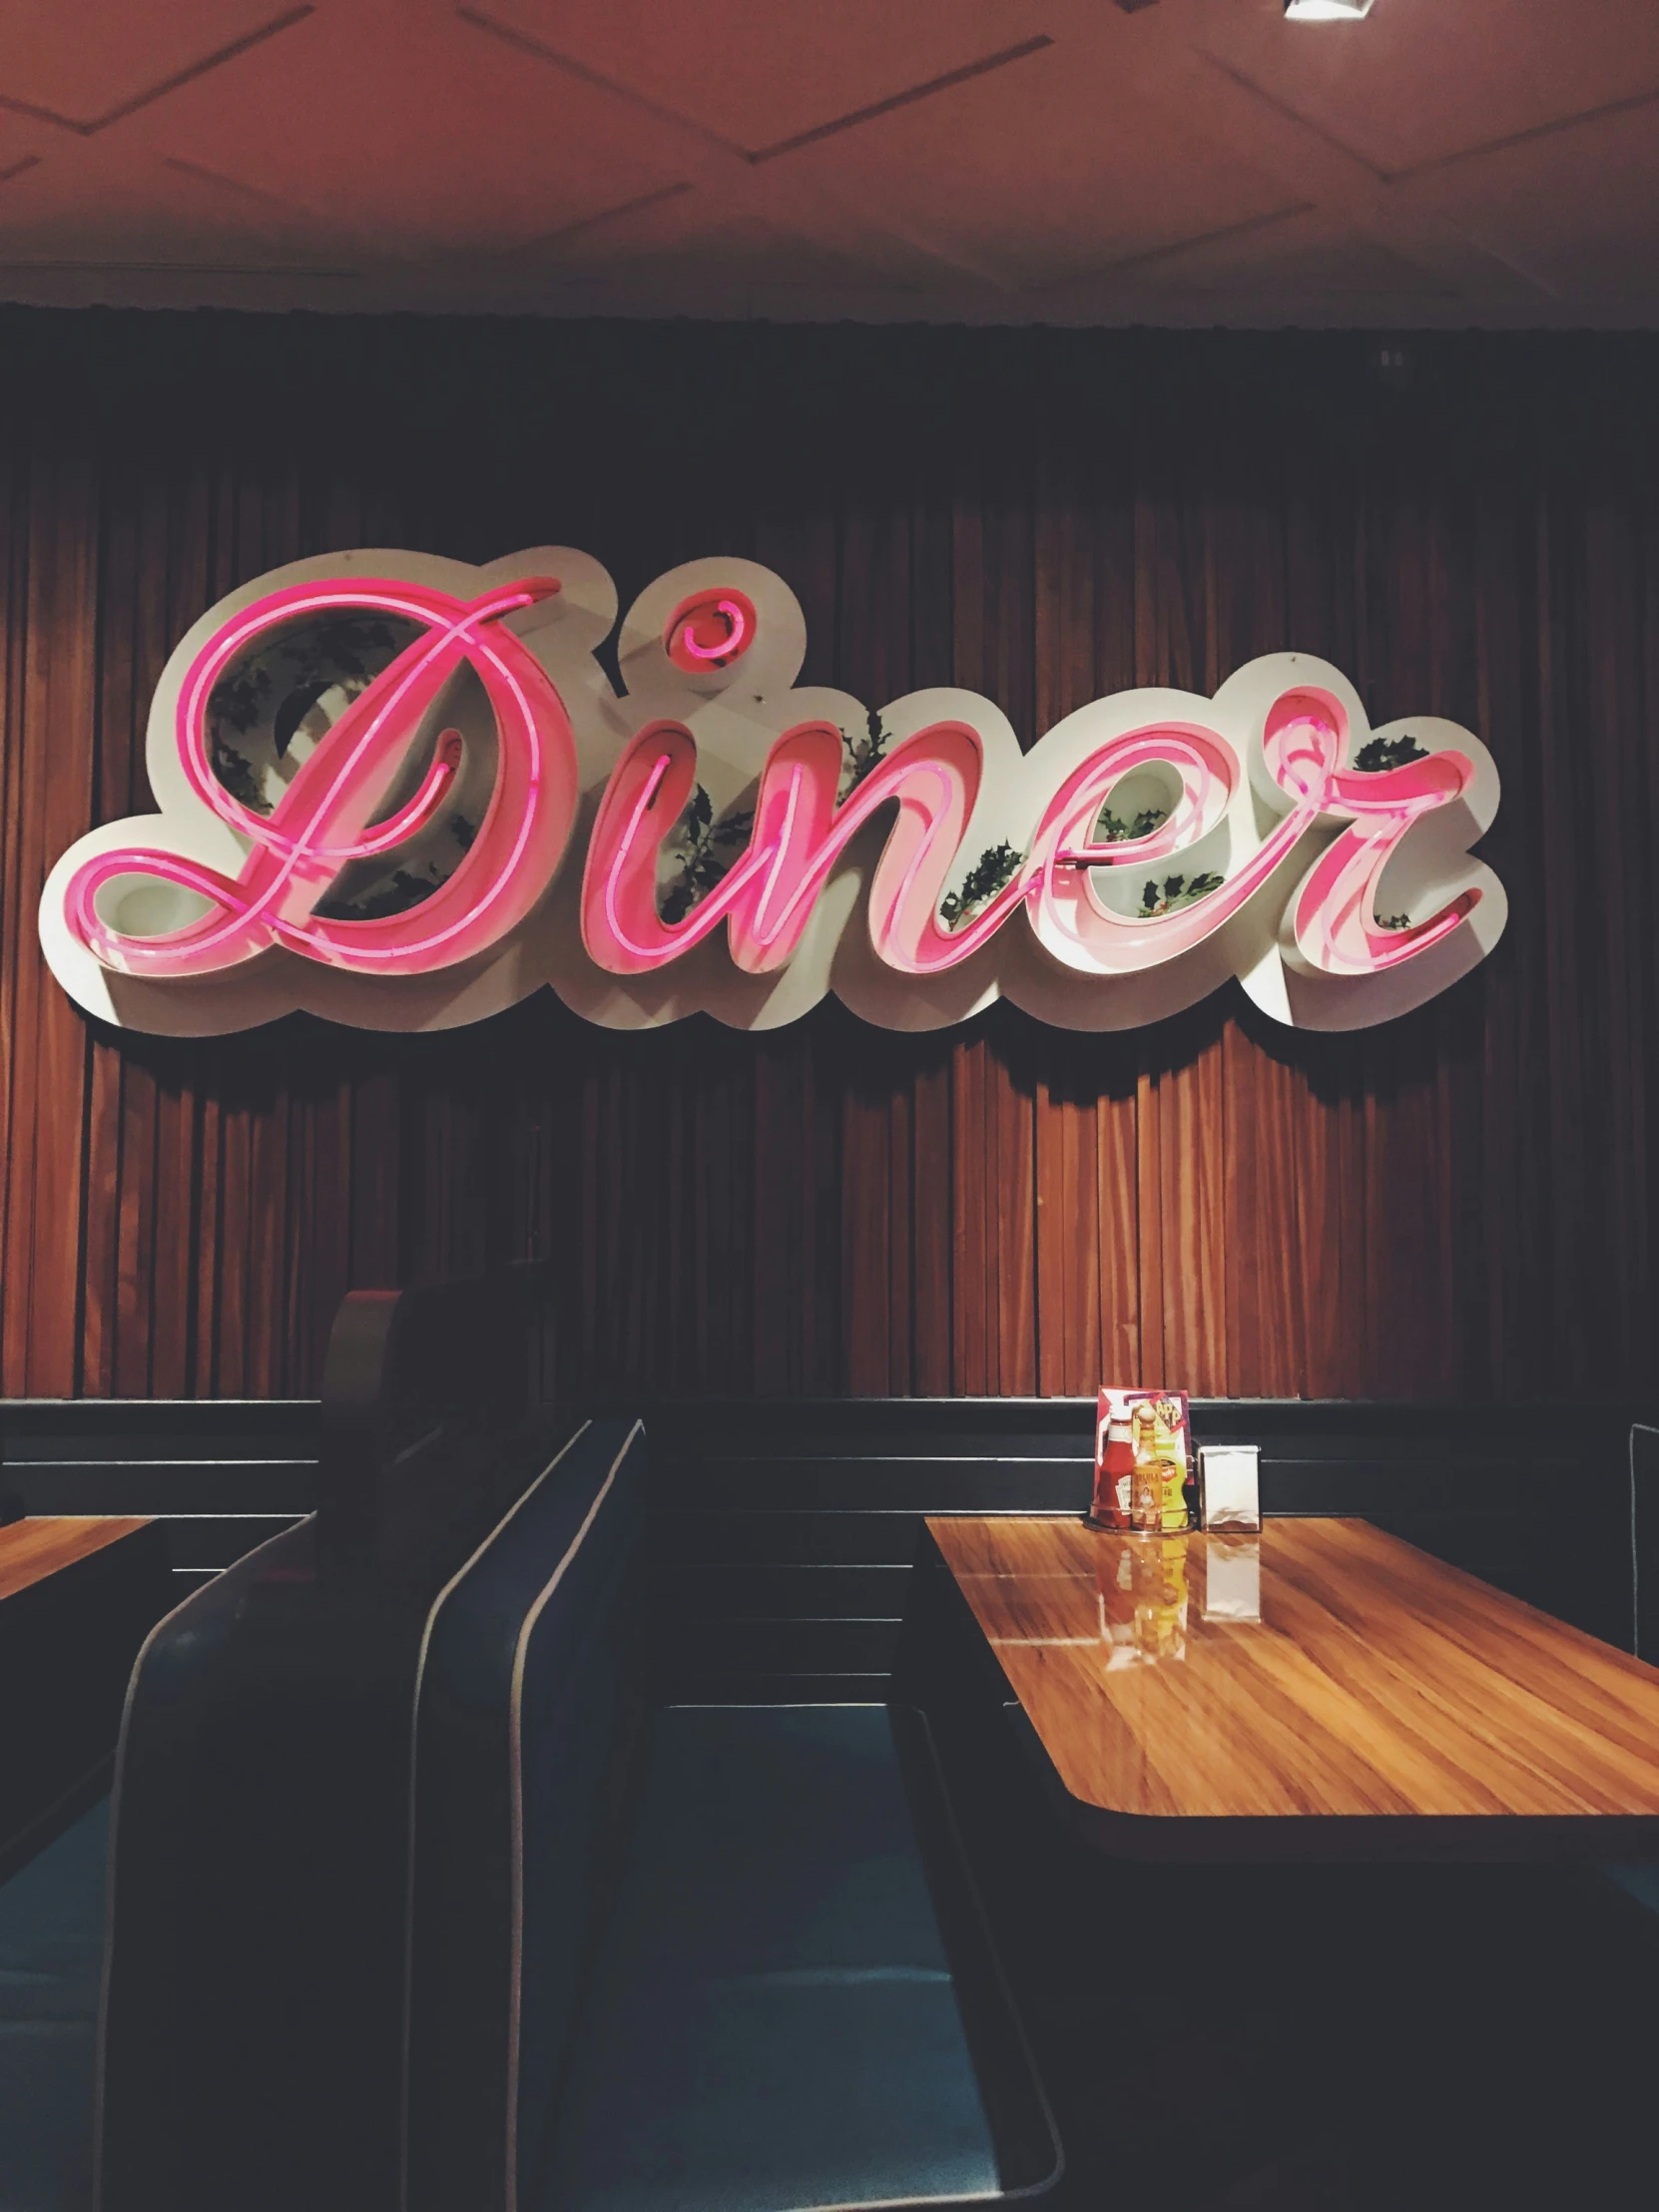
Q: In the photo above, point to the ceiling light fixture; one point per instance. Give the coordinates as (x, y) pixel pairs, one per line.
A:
(1327, 11)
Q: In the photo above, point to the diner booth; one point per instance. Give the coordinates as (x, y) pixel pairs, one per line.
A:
(825, 1265)
(499, 1831)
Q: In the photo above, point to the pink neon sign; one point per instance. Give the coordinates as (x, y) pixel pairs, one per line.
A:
(800, 832)
(708, 630)
(1283, 841)
(326, 816)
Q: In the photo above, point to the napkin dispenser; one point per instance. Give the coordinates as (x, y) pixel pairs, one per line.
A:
(1229, 1488)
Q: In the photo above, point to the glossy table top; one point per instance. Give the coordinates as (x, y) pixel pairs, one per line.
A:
(32, 1549)
(1322, 1690)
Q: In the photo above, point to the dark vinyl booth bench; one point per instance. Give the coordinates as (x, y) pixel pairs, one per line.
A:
(564, 1942)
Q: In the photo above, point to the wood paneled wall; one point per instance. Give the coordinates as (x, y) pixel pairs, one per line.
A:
(1460, 1203)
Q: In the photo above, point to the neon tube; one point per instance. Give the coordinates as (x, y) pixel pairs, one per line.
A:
(323, 820)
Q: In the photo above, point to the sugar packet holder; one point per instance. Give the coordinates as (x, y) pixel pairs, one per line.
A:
(1229, 1488)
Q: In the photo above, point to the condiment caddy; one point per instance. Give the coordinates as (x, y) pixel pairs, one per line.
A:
(1145, 1478)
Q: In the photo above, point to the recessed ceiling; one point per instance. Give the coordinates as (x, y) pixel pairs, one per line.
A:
(1443, 162)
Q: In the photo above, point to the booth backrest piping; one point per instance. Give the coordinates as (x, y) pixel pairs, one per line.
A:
(99, 2063)
(455, 1580)
(515, 2000)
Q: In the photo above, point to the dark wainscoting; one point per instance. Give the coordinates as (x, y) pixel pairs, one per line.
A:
(223, 1474)
(784, 1530)
(1644, 1535)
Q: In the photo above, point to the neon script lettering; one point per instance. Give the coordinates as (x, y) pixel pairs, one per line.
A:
(415, 866)
(324, 818)
(801, 830)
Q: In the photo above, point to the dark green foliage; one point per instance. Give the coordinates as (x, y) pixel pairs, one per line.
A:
(236, 773)
(279, 683)
(1113, 829)
(239, 698)
(1176, 892)
(866, 753)
(357, 645)
(396, 897)
(1394, 921)
(1386, 752)
(293, 712)
(706, 849)
(994, 870)
(404, 891)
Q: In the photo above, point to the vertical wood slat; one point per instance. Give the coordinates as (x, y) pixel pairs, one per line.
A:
(16, 951)
(1462, 1204)
(44, 1164)
(933, 1297)
(1117, 1217)
(970, 1267)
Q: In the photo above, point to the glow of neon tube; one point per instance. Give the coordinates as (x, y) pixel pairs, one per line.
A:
(318, 825)
(268, 834)
(737, 638)
(802, 827)
(768, 891)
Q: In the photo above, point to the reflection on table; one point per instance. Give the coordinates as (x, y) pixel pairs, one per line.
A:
(1323, 1689)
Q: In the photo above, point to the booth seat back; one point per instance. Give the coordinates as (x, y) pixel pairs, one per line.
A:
(251, 2011)
(539, 1639)
(252, 2038)
(253, 2033)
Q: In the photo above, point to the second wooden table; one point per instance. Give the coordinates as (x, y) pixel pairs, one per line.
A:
(1379, 1704)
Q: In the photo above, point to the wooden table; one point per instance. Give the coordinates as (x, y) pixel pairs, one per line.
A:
(1381, 1705)
(32, 1549)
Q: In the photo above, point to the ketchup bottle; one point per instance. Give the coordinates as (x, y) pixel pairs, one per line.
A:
(1114, 1479)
